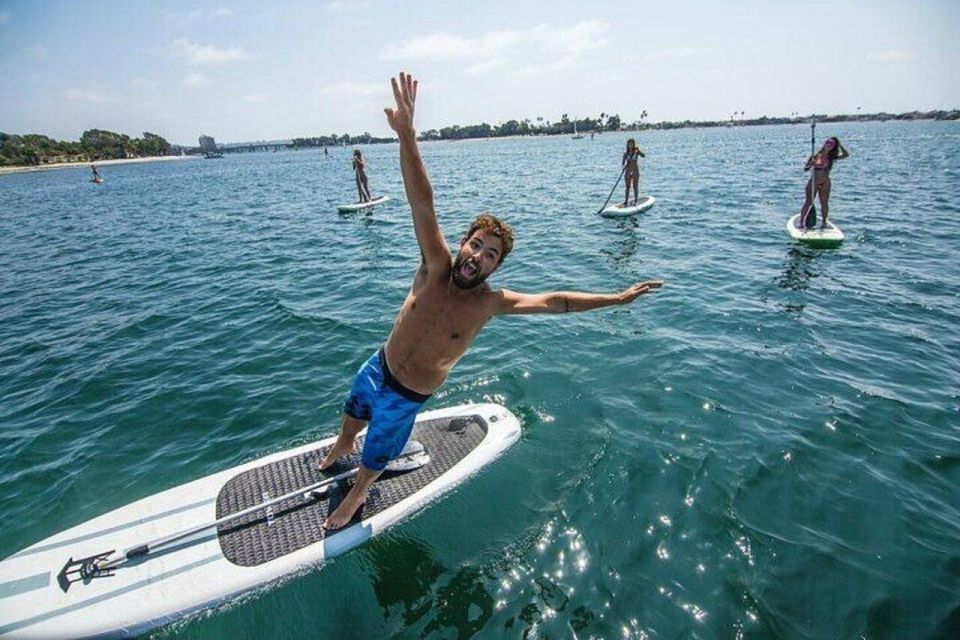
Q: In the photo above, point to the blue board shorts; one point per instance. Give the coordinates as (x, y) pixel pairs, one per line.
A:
(389, 408)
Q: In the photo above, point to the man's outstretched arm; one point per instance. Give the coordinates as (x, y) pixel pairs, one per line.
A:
(511, 302)
(415, 179)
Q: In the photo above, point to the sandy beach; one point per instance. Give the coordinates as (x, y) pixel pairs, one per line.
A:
(99, 163)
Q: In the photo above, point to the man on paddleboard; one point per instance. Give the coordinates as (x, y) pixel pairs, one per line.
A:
(448, 303)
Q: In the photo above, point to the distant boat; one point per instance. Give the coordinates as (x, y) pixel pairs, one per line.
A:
(212, 155)
(576, 136)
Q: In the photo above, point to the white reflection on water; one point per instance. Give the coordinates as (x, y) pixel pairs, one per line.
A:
(743, 544)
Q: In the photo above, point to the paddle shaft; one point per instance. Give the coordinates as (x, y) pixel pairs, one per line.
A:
(813, 175)
(360, 186)
(615, 184)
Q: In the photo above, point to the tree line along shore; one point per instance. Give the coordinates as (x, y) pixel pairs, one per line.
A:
(611, 122)
(99, 144)
(94, 145)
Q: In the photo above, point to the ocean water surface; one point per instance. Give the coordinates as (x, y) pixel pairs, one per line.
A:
(769, 447)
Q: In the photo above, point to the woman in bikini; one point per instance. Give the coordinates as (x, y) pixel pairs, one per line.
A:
(363, 189)
(821, 162)
(631, 170)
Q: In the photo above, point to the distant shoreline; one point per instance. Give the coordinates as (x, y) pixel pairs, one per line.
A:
(99, 163)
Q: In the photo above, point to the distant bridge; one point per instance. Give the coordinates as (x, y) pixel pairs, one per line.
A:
(250, 147)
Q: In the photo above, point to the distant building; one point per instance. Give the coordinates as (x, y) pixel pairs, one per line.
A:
(209, 147)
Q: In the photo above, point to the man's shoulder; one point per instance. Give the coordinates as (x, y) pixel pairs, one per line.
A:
(491, 295)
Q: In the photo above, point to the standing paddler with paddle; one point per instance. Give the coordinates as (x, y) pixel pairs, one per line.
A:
(631, 170)
(821, 163)
(360, 174)
(448, 303)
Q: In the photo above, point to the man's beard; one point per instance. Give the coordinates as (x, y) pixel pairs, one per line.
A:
(462, 281)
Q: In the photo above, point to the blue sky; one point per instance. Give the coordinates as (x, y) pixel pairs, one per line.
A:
(258, 70)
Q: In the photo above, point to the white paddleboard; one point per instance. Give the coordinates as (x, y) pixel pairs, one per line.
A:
(44, 593)
(357, 206)
(618, 210)
(96, 180)
(829, 236)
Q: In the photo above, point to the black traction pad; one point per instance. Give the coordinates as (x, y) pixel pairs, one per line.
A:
(295, 523)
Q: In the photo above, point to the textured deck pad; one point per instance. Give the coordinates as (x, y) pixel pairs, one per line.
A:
(296, 523)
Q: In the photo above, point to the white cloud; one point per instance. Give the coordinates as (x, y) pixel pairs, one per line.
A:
(893, 55)
(343, 5)
(675, 52)
(255, 98)
(199, 14)
(205, 54)
(544, 47)
(144, 83)
(487, 66)
(85, 95)
(580, 37)
(436, 45)
(350, 89)
(194, 80)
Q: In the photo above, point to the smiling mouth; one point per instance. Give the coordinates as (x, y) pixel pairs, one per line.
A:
(469, 270)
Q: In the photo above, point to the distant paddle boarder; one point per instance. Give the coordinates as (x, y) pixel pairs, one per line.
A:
(360, 173)
(95, 177)
(631, 171)
(821, 163)
(447, 305)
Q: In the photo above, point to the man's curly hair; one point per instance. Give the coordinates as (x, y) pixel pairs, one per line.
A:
(489, 223)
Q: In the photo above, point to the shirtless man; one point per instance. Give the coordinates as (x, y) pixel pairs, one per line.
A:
(447, 305)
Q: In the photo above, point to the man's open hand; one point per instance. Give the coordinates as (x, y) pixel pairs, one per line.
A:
(629, 295)
(400, 118)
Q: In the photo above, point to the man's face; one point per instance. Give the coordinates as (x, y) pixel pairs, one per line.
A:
(479, 257)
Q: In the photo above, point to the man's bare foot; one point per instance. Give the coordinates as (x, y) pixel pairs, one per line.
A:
(345, 511)
(344, 445)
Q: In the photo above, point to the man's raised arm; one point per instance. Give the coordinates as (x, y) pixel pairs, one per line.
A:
(415, 180)
(511, 302)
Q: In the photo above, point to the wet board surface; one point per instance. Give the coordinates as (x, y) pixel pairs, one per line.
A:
(296, 523)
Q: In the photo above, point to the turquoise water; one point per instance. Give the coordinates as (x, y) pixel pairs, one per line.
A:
(767, 448)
